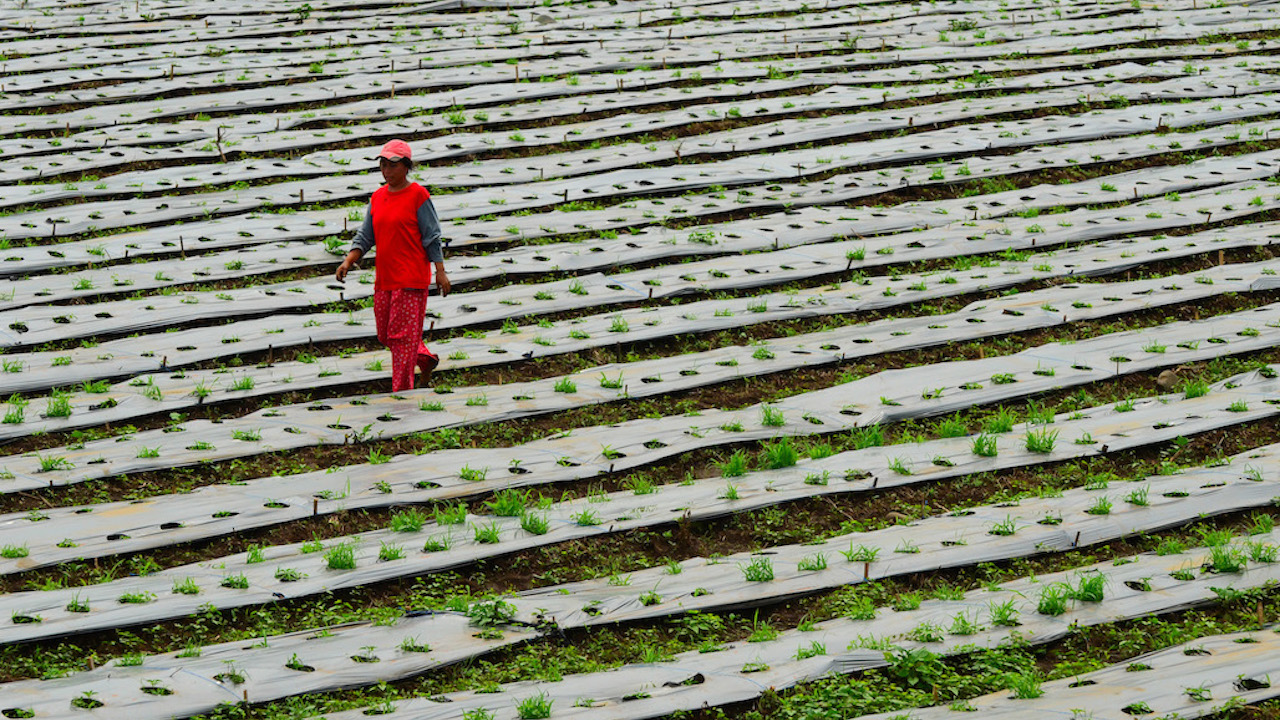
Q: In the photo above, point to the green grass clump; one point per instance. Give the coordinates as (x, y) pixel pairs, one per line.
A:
(13, 552)
(1053, 599)
(984, 445)
(758, 570)
(534, 524)
(781, 454)
(509, 503)
(410, 520)
(735, 466)
(1041, 441)
(534, 707)
(341, 557)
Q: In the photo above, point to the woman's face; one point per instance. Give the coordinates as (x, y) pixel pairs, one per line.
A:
(394, 173)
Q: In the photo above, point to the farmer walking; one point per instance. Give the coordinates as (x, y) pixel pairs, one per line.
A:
(402, 222)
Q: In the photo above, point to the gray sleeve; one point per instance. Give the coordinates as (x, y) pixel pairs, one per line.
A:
(429, 227)
(363, 241)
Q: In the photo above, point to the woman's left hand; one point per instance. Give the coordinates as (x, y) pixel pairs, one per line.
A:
(442, 282)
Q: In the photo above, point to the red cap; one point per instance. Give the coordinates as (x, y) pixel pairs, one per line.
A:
(396, 150)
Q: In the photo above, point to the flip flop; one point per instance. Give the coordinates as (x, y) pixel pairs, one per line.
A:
(427, 362)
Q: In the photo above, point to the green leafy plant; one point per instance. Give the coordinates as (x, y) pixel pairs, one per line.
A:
(1194, 389)
(1138, 496)
(759, 569)
(771, 416)
(984, 445)
(781, 454)
(586, 518)
(236, 582)
(861, 553)
(489, 534)
(490, 613)
(534, 523)
(1024, 687)
(1005, 527)
(1053, 599)
(186, 586)
(409, 520)
(1090, 587)
(341, 557)
(534, 707)
(509, 503)
(1101, 506)
(284, 574)
(901, 466)
(1041, 441)
(735, 466)
(13, 552)
(812, 563)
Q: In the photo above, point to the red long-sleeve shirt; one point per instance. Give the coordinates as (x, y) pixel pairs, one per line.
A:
(405, 229)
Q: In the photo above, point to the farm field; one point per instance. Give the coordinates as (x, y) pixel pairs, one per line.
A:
(803, 360)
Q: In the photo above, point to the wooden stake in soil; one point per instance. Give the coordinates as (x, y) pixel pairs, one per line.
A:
(315, 506)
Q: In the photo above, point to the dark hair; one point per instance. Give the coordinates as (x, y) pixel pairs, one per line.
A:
(407, 162)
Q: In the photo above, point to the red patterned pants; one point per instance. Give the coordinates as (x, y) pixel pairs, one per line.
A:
(398, 314)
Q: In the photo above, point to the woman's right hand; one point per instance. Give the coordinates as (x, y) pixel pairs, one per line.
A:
(349, 262)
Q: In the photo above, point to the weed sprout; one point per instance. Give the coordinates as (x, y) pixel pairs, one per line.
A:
(771, 416)
(758, 570)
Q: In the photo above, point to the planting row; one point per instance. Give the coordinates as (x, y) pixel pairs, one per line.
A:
(932, 389)
(516, 521)
(33, 325)
(962, 538)
(98, 402)
(598, 174)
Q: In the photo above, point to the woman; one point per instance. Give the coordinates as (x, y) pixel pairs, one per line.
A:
(402, 222)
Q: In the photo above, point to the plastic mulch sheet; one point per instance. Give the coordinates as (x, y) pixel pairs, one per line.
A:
(1138, 586)
(1148, 584)
(172, 392)
(64, 534)
(927, 390)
